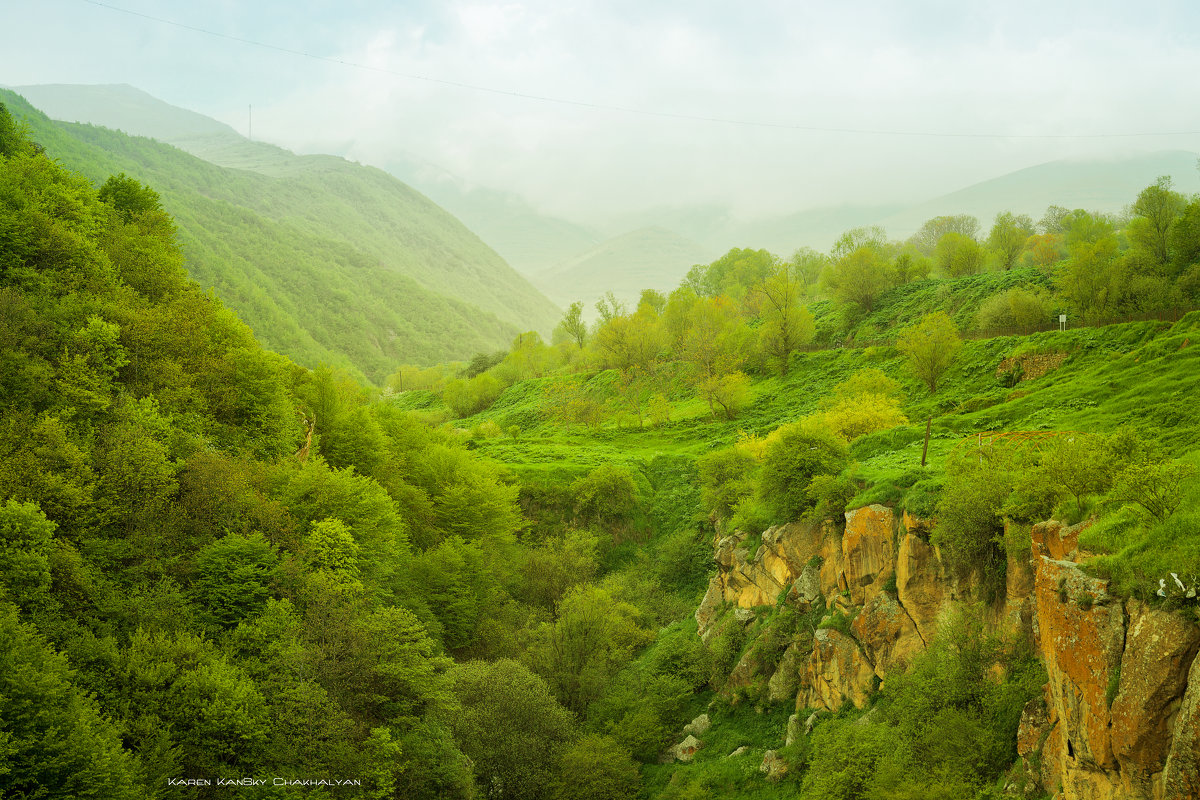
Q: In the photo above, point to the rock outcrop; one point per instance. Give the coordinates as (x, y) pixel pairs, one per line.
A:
(868, 557)
(919, 584)
(837, 671)
(888, 635)
(1120, 712)
(1121, 700)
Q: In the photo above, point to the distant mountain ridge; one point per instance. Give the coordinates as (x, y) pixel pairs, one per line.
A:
(1094, 184)
(648, 258)
(473, 272)
(326, 260)
(569, 260)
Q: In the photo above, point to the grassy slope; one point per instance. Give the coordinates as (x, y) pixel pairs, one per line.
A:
(264, 244)
(1139, 374)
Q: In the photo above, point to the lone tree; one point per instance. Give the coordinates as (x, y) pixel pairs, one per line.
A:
(572, 326)
(930, 346)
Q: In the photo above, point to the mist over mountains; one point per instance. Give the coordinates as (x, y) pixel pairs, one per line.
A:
(652, 247)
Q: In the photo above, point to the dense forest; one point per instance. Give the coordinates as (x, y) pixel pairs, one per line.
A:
(483, 580)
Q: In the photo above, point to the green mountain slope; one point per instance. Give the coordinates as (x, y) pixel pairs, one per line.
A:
(361, 205)
(649, 258)
(333, 262)
(529, 240)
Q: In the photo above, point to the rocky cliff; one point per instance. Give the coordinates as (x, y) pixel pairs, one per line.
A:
(1120, 713)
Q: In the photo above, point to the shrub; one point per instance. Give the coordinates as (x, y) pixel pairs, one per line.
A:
(725, 478)
(792, 459)
(606, 497)
(682, 560)
(596, 767)
(1156, 486)
(725, 647)
(831, 494)
(969, 529)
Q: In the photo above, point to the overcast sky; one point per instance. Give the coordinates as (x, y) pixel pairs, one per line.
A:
(820, 102)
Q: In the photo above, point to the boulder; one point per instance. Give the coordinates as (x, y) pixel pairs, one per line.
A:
(699, 726)
(806, 590)
(710, 608)
(686, 750)
(1033, 736)
(741, 751)
(774, 766)
(786, 680)
(1056, 540)
(795, 729)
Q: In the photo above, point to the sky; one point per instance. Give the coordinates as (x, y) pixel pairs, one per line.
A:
(589, 108)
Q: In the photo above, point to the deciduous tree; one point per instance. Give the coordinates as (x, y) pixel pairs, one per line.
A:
(930, 347)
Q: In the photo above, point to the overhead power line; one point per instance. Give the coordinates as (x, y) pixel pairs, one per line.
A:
(564, 101)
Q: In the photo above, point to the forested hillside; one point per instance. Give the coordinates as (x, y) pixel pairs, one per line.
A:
(852, 524)
(325, 260)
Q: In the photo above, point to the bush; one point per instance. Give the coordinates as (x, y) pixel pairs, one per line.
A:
(681, 560)
(596, 768)
(725, 478)
(469, 397)
(969, 528)
(606, 497)
(792, 459)
(1156, 486)
(521, 761)
(831, 494)
(1017, 308)
(725, 647)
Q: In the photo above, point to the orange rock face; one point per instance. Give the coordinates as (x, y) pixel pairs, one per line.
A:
(1181, 775)
(837, 671)
(919, 584)
(1159, 648)
(887, 634)
(1037, 744)
(868, 557)
(1055, 540)
(1082, 638)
